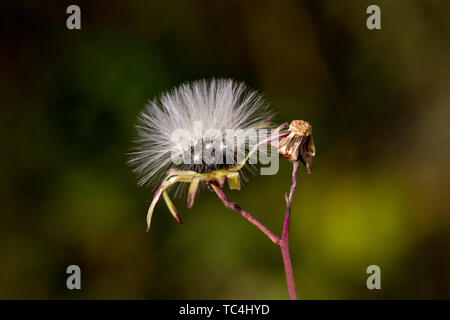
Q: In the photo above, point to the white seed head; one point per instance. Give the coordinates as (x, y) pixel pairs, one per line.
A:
(214, 115)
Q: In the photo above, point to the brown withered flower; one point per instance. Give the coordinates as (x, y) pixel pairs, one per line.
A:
(299, 144)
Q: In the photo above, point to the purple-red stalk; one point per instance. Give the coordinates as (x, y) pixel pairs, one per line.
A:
(283, 242)
(230, 204)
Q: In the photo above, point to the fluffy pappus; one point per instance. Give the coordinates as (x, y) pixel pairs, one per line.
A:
(217, 122)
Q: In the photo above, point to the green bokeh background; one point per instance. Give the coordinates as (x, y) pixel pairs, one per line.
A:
(378, 102)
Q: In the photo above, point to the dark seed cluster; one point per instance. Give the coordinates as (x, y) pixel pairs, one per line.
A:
(208, 155)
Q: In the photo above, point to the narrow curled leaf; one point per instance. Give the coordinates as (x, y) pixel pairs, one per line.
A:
(163, 187)
(172, 208)
(264, 123)
(271, 139)
(193, 187)
(234, 181)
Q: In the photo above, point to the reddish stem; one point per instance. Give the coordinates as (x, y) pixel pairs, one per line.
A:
(283, 242)
(230, 204)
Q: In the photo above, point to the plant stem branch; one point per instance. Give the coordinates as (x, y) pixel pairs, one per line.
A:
(230, 204)
(283, 242)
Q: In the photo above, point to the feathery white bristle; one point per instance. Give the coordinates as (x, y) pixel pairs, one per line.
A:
(219, 104)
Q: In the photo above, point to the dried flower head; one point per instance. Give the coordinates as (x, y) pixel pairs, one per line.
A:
(201, 131)
(299, 144)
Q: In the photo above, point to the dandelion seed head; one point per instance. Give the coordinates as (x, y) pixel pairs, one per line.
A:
(206, 111)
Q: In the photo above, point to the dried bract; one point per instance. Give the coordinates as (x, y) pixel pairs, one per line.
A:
(299, 144)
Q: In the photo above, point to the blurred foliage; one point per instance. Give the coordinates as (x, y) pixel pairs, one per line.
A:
(378, 102)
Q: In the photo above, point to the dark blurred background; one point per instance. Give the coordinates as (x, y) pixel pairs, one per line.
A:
(378, 102)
